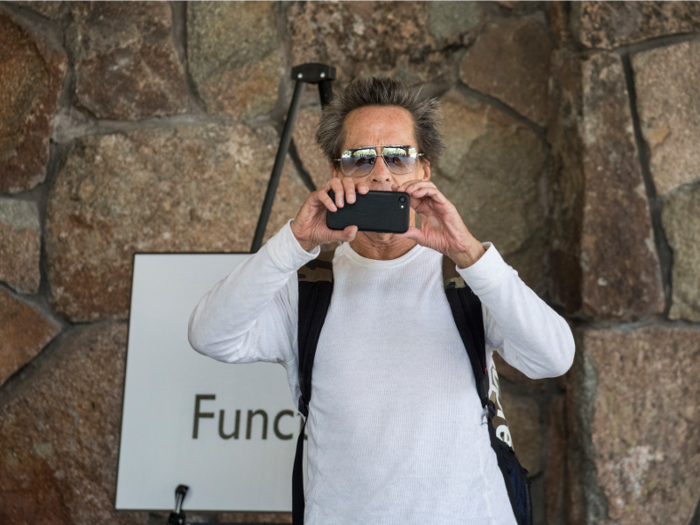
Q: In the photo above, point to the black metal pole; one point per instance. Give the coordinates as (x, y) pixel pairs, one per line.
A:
(311, 73)
(325, 91)
(277, 168)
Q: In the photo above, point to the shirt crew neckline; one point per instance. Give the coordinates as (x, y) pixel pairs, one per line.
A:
(346, 249)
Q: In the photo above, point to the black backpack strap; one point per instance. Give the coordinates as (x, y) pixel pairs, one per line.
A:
(466, 310)
(315, 289)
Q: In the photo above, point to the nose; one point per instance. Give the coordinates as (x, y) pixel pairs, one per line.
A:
(380, 175)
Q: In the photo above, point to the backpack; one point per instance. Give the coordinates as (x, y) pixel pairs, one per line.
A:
(315, 289)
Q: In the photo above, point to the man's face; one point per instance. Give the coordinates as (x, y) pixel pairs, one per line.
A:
(382, 126)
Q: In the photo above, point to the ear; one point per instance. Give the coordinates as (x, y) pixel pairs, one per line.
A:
(426, 170)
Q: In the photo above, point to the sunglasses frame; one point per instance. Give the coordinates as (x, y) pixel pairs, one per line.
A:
(406, 147)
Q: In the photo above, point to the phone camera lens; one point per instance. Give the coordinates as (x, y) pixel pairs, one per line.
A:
(402, 199)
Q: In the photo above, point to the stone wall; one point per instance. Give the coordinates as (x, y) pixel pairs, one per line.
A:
(572, 132)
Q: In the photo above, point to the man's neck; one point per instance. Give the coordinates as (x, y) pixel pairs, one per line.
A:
(381, 246)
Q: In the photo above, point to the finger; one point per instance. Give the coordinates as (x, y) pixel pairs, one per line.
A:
(349, 187)
(362, 188)
(415, 202)
(425, 192)
(323, 197)
(337, 187)
(415, 185)
(407, 188)
(426, 189)
(410, 183)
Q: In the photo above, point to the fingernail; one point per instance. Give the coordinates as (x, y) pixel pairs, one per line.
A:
(351, 198)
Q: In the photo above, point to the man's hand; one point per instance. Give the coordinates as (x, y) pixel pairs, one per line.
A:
(442, 229)
(309, 226)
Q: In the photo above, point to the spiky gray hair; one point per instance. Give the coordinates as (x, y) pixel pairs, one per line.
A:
(375, 91)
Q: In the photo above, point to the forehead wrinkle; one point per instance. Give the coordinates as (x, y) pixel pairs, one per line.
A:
(379, 126)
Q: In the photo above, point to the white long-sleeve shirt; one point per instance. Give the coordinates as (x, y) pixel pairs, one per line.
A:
(396, 429)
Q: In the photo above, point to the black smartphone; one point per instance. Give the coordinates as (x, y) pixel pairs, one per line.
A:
(376, 211)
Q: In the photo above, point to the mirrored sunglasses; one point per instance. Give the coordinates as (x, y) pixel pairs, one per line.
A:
(358, 162)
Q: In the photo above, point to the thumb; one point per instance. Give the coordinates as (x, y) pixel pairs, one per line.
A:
(414, 234)
(347, 235)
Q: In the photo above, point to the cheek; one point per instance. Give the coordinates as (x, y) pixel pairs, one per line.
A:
(423, 171)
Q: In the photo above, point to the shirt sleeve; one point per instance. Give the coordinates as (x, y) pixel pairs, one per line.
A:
(525, 330)
(251, 315)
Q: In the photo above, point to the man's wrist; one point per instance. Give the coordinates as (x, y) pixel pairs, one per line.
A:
(306, 245)
(472, 253)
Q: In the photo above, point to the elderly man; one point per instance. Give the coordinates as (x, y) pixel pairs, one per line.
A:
(395, 424)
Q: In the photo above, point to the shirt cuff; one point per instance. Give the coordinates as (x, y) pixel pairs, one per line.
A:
(286, 252)
(487, 272)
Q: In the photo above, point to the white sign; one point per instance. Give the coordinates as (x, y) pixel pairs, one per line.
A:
(227, 431)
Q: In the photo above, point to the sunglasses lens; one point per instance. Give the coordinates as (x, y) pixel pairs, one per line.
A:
(400, 161)
(359, 162)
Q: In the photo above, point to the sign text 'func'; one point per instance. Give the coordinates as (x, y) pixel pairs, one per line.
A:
(255, 418)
